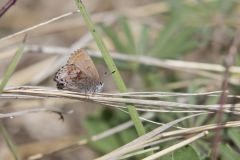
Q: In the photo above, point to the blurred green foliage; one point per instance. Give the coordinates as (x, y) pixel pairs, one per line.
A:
(188, 30)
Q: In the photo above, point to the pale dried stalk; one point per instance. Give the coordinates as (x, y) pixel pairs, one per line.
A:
(99, 17)
(140, 59)
(142, 141)
(203, 69)
(138, 143)
(176, 146)
(31, 110)
(120, 101)
(139, 152)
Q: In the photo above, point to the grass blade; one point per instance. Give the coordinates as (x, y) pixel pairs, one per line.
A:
(110, 64)
(114, 37)
(143, 40)
(4, 81)
(128, 33)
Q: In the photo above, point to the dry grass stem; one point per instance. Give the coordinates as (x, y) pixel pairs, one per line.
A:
(32, 110)
(143, 104)
(176, 146)
(201, 69)
(98, 17)
(146, 60)
(143, 141)
(139, 152)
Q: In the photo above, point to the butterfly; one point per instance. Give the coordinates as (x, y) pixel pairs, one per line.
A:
(79, 74)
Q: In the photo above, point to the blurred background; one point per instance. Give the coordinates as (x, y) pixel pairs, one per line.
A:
(183, 31)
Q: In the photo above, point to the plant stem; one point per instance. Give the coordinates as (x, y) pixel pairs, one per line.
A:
(110, 64)
(11, 67)
(6, 6)
(8, 141)
(3, 83)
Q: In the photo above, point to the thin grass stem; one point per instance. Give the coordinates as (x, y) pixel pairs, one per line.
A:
(110, 64)
(4, 81)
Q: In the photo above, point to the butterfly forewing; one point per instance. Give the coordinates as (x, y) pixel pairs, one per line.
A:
(82, 60)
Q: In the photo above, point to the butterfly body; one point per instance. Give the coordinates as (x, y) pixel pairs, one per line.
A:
(79, 74)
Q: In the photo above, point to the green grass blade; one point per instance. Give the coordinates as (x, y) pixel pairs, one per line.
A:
(228, 153)
(9, 142)
(143, 40)
(110, 64)
(182, 42)
(4, 81)
(128, 33)
(11, 67)
(164, 37)
(114, 38)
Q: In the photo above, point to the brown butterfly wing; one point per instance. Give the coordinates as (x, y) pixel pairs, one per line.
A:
(82, 60)
(71, 77)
